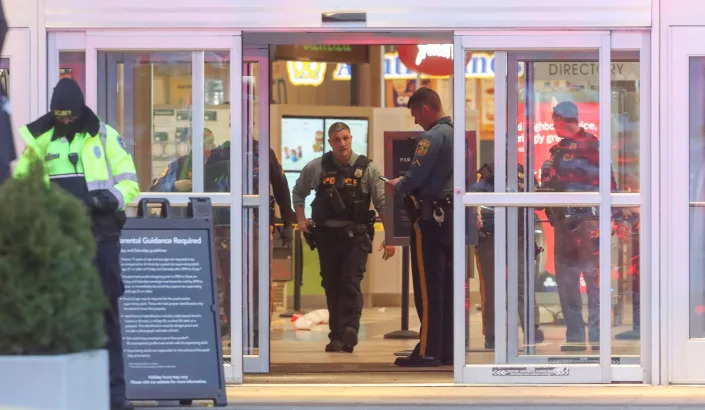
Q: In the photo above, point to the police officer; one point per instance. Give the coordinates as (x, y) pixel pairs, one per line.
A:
(484, 253)
(344, 225)
(574, 166)
(428, 182)
(87, 158)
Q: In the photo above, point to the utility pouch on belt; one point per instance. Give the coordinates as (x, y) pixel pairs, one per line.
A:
(336, 201)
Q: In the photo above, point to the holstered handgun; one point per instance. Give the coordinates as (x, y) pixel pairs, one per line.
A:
(371, 225)
(308, 236)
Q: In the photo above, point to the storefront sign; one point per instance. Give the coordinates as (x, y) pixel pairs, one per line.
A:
(530, 371)
(306, 73)
(338, 53)
(169, 320)
(432, 59)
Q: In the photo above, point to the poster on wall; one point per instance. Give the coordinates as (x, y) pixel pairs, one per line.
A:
(302, 141)
(399, 90)
(358, 130)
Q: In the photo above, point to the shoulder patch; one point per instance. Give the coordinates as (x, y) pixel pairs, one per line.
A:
(422, 147)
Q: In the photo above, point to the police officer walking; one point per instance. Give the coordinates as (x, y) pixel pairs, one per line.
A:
(429, 185)
(87, 158)
(342, 229)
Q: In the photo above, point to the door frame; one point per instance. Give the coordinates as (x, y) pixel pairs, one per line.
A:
(259, 363)
(91, 41)
(16, 49)
(681, 349)
(605, 42)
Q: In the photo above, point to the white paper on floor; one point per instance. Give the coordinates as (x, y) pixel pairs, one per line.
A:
(311, 319)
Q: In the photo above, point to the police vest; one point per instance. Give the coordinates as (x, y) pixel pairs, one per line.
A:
(339, 195)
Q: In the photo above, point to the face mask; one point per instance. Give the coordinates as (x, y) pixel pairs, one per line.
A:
(67, 130)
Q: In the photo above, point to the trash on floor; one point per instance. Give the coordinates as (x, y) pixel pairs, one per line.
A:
(310, 319)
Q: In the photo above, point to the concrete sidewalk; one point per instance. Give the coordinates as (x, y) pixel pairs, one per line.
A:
(459, 396)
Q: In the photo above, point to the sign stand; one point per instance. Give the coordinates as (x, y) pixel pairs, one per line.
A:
(404, 333)
(169, 313)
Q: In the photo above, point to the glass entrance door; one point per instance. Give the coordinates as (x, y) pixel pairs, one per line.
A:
(169, 95)
(537, 189)
(256, 236)
(685, 212)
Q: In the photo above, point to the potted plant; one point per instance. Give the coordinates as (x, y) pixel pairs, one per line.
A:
(52, 302)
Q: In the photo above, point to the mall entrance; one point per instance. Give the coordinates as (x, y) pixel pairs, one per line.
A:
(178, 97)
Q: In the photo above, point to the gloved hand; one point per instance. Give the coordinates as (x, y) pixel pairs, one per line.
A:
(102, 200)
(287, 235)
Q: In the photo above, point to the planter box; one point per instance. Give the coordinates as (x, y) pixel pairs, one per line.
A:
(63, 382)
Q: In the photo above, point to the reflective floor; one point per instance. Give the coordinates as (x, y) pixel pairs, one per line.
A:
(297, 356)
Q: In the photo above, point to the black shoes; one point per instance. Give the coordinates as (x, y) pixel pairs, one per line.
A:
(418, 361)
(349, 337)
(122, 405)
(347, 342)
(335, 346)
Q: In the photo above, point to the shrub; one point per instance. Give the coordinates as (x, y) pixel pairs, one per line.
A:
(51, 299)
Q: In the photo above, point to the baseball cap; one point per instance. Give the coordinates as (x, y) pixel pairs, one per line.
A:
(566, 110)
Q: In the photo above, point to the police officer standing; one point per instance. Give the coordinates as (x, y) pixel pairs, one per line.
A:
(87, 158)
(342, 229)
(484, 253)
(429, 183)
(574, 166)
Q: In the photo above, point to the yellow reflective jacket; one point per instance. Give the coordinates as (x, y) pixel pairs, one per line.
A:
(95, 159)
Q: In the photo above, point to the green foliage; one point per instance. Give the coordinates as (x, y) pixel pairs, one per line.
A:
(52, 301)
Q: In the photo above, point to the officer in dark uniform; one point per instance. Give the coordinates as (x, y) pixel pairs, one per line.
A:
(484, 253)
(574, 166)
(342, 230)
(429, 185)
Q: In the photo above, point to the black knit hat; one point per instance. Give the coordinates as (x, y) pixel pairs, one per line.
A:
(67, 98)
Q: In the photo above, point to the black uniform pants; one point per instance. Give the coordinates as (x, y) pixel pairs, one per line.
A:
(343, 264)
(108, 263)
(432, 275)
(484, 253)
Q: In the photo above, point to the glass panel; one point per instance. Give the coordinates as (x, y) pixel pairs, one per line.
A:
(250, 269)
(626, 295)
(147, 97)
(216, 132)
(72, 64)
(697, 197)
(626, 98)
(5, 75)
(558, 121)
(557, 272)
(250, 112)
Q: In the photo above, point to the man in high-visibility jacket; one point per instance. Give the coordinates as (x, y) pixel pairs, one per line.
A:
(88, 159)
